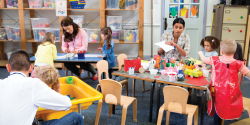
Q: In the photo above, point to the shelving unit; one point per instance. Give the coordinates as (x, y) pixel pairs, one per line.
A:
(103, 13)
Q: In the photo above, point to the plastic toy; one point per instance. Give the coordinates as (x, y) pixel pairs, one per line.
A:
(193, 73)
(162, 64)
(69, 80)
(157, 59)
(94, 36)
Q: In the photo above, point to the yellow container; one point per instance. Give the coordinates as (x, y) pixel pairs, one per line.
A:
(83, 93)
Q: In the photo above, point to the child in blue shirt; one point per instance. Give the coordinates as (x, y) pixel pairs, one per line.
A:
(210, 44)
(108, 49)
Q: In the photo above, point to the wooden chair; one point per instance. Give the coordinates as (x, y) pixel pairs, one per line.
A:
(175, 100)
(120, 60)
(102, 67)
(111, 91)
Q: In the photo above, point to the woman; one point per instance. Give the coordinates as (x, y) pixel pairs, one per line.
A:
(179, 40)
(75, 39)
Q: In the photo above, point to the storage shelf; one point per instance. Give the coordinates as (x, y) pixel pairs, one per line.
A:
(120, 42)
(39, 9)
(8, 8)
(123, 9)
(83, 9)
(8, 41)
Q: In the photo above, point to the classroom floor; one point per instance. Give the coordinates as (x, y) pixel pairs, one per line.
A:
(142, 106)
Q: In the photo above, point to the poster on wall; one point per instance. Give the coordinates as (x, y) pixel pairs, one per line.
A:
(61, 7)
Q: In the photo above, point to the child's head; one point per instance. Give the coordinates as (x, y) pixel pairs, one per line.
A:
(48, 74)
(106, 34)
(228, 47)
(49, 37)
(19, 61)
(210, 43)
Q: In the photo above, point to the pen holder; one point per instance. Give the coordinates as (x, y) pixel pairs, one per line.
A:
(81, 55)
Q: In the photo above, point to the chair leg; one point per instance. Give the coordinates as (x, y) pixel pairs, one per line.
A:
(110, 110)
(98, 112)
(71, 73)
(135, 110)
(97, 87)
(160, 114)
(66, 72)
(196, 114)
(126, 88)
(167, 117)
(222, 121)
(124, 113)
(143, 86)
(133, 89)
(190, 119)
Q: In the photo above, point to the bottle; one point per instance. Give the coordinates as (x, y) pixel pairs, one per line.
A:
(180, 75)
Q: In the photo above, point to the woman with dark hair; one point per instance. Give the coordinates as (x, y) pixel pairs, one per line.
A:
(75, 39)
(179, 40)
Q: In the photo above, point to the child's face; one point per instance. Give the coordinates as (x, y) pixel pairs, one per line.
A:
(207, 46)
(104, 37)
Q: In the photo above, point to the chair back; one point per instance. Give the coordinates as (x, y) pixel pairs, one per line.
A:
(175, 94)
(120, 59)
(102, 67)
(111, 91)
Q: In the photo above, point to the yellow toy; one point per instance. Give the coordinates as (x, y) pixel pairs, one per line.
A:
(129, 36)
(193, 73)
(121, 3)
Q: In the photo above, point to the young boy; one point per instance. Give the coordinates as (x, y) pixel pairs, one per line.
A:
(226, 100)
(21, 96)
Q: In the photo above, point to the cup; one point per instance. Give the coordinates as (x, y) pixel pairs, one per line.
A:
(205, 73)
(131, 71)
(171, 77)
(153, 71)
(69, 80)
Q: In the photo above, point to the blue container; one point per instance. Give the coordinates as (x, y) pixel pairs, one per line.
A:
(81, 55)
(77, 4)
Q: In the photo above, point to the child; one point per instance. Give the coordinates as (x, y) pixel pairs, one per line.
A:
(226, 100)
(108, 48)
(210, 44)
(46, 52)
(49, 75)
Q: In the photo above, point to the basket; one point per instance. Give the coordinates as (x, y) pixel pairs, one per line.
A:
(77, 4)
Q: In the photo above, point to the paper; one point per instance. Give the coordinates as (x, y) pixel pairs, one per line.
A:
(61, 8)
(91, 55)
(61, 57)
(164, 46)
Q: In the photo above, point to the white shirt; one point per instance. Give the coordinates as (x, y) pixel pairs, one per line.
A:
(20, 98)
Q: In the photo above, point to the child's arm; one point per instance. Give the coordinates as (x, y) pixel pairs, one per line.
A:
(84, 40)
(54, 52)
(204, 59)
(64, 45)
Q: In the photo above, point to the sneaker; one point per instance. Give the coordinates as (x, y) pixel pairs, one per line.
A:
(95, 78)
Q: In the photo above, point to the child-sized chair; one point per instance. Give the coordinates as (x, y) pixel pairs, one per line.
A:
(175, 100)
(102, 67)
(111, 91)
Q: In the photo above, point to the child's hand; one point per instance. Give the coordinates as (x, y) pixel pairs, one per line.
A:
(171, 43)
(100, 48)
(200, 52)
(101, 56)
(75, 52)
(66, 50)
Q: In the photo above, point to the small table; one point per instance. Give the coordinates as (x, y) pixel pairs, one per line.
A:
(242, 122)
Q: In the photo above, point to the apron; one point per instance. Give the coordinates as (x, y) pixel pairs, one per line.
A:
(226, 94)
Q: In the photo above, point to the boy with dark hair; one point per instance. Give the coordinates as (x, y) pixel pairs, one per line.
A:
(21, 96)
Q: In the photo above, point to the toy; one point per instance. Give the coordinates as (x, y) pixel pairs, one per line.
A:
(168, 69)
(121, 3)
(189, 64)
(172, 60)
(157, 59)
(69, 80)
(94, 36)
(193, 73)
(162, 64)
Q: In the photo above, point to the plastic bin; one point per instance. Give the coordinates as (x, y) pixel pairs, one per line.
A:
(78, 19)
(12, 3)
(3, 35)
(131, 4)
(116, 35)
(83, 93)
(35, 3)
(130, 35)
(49, 4)
(114, 22)
(13, 33)
(93, 35)
(39, 34)
(56, 31)
(77, 4)
(112, 4)
(40, 22)
(17, 34)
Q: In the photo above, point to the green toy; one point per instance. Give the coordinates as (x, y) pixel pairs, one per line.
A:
(69, 80)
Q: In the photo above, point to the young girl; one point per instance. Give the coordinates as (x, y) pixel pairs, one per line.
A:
(210, 44)
(108, 48)
(49, 75)
(46, 52)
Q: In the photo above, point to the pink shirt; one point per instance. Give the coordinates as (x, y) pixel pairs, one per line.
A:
(79, 43)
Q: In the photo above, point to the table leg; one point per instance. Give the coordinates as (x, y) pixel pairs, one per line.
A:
(158, 99)
(203, 104)
(133, 89)
(151, 101)
(113, 109)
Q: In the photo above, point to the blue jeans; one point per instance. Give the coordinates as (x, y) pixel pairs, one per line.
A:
(217, 119)
(72, 118)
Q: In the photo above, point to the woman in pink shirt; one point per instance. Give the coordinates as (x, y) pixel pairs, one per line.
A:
(75, 39)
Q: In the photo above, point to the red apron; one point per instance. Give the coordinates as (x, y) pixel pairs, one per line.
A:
(227, 97)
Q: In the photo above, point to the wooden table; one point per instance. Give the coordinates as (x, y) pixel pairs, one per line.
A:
(242, 122)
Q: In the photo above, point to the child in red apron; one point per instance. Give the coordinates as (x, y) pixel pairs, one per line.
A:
(226, 102)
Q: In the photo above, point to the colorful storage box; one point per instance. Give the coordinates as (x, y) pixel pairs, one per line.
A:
(83, 93)
(116, 35)
(35, 3)
(112, 4)
(12, 3)
(39, 34)
(49, 4)
(40, 22)
(78, 19)
(130, 35)
(93, 35)
(3, 35)
(114, 22)
(56, 31)
(77, 4)
(13, 33)
(131, 4)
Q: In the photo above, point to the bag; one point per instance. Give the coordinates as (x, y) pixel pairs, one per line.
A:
(136, 63)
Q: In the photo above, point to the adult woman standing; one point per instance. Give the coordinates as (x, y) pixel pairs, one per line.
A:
(75, 39)
(179, 40)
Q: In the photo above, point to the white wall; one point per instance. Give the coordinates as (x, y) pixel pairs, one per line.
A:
(130, 49)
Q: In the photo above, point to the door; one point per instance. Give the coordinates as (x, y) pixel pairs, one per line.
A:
(192, 11)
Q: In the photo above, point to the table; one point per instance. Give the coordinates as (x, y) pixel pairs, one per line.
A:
(88, 58)
(242, 122)
(151, 78)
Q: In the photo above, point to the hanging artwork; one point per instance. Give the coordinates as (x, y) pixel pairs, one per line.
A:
(61, 8)
(194, 10)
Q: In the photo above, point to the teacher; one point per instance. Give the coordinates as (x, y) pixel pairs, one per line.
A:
(179, 40)
(75, 39)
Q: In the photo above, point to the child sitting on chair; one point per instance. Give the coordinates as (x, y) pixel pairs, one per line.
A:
(210, 44)
(226, 100)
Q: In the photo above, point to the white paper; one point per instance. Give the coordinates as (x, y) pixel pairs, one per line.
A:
(61, 57)
(91, 55)
(164, 46)
(61, 7)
